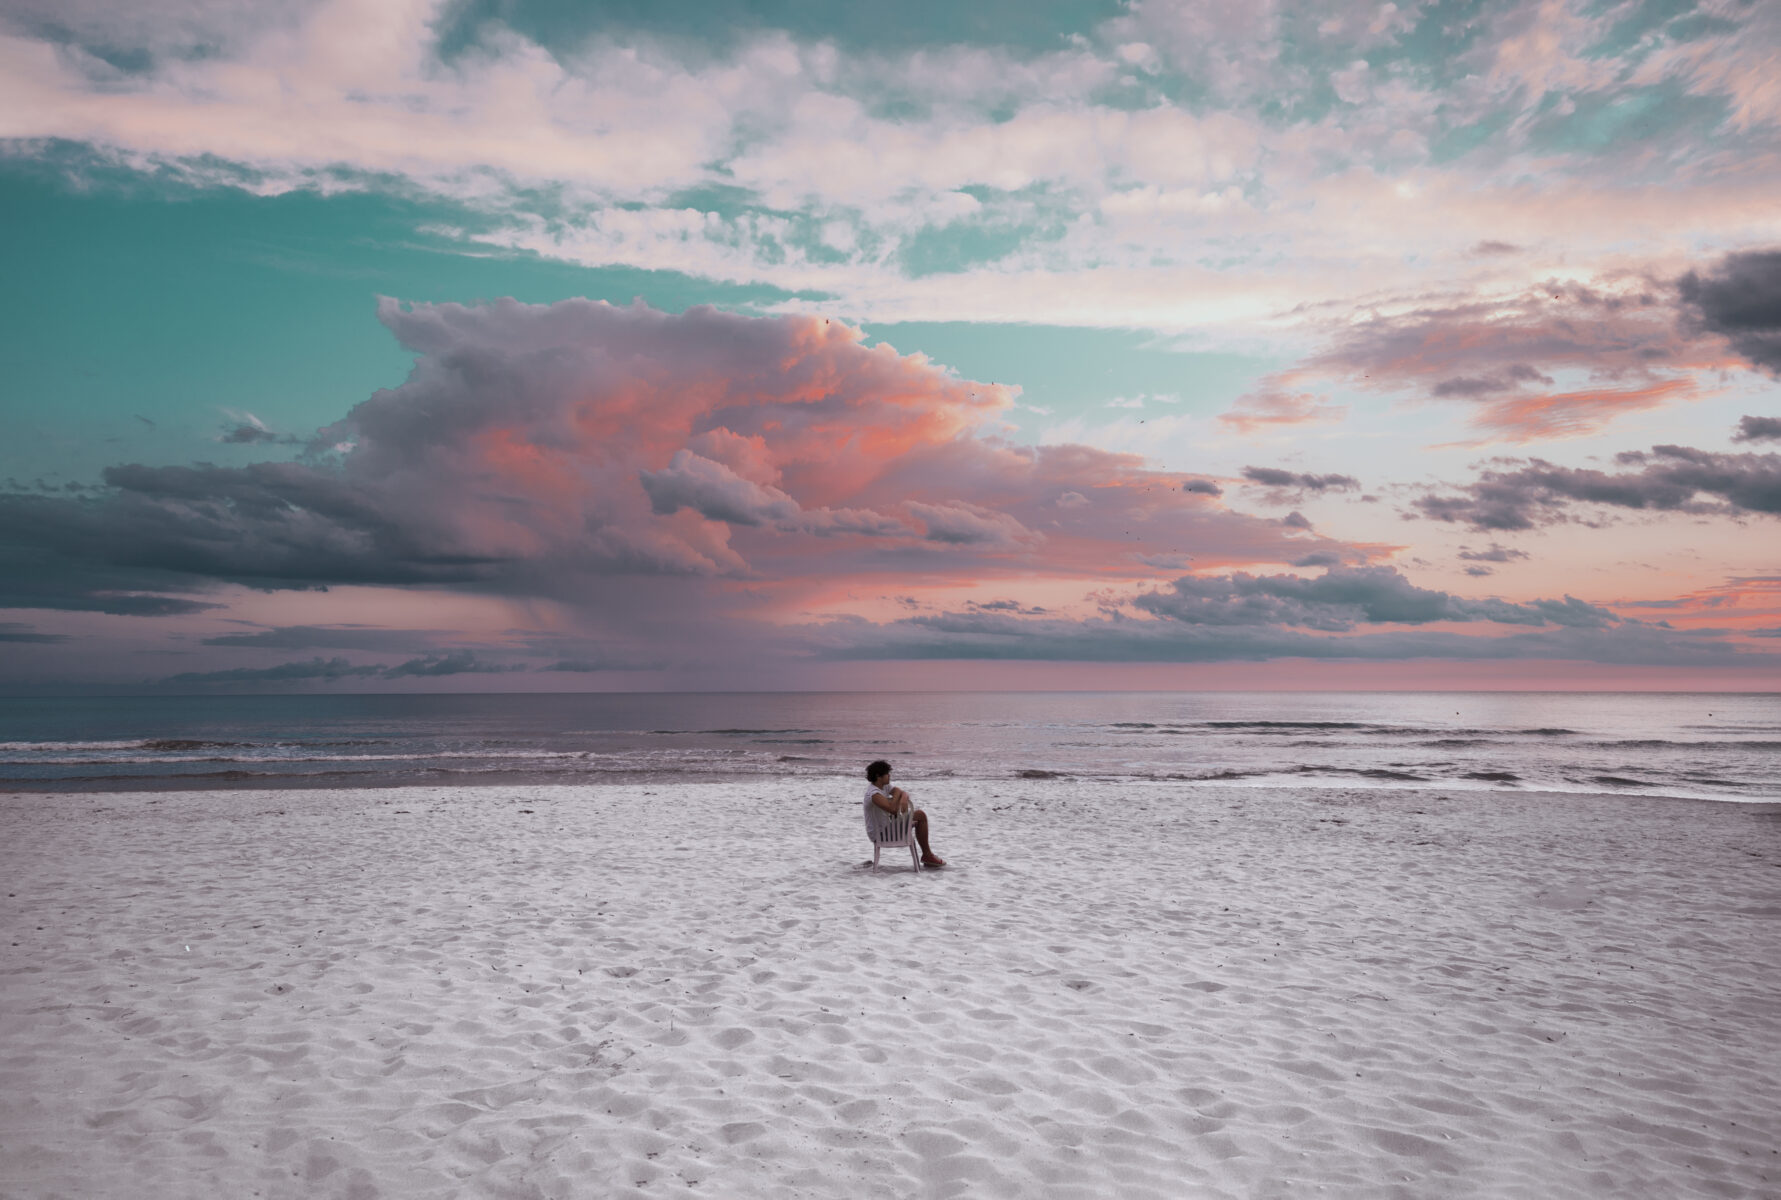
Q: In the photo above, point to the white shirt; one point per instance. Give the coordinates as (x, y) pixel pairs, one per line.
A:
(876, 818)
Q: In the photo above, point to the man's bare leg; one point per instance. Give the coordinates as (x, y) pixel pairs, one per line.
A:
(928, 857)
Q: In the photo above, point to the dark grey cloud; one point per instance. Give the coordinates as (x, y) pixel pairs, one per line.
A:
(1006, 606)
(1299, 482)
(322, 669)
(1666, 479)
(34, 575)
(19, 632)
(996, 636)
(455, 662)
(267, 524)
(1508, 379)
(1295, 520)
(1495, 554)
(1740, 298)
(252, 433)
(1758, 429)
(320, 637)
(1479, 572)
(714, 491)
(328, 670)
(1202, 487)
(1345, 597)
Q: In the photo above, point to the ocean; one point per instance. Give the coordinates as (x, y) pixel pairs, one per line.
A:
(1703, 746)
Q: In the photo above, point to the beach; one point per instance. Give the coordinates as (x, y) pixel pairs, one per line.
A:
(1116, 989)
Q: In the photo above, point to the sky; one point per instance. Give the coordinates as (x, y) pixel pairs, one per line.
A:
(529, 345)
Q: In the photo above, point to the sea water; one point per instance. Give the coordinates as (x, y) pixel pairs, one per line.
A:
(1707, 746)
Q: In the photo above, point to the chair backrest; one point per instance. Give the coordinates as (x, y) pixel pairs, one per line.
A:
(887, 829)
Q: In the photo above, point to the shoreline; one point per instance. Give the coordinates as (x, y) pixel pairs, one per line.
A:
(496, 780)
(1117, 989)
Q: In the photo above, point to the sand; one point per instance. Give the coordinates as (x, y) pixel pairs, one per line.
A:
(1116, 990)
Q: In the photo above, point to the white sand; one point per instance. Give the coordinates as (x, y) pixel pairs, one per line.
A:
(1117, 991)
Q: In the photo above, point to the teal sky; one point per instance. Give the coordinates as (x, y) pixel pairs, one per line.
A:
(146, 318)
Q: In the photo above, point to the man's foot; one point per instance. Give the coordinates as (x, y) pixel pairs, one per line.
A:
(932, 860)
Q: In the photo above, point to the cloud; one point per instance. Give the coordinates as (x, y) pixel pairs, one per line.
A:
(1523, 494)
(529, 443)
(18, 632)
(1291, 487)
(1740, 298)
(1007, 606)
(1121, 638)
(1202, 487)
(317, 637)
(959, 524)
(1495, 554)
(1503, 354)
(714, 491)
(1758, 429)
(50, 559)
(331, 670)
(455, 662)
(553, 451)
(1322, 558)
(1273, 406)
(1344, 597)
(326, 670)
(249, 430)
(1508, 379)
(1178, 164)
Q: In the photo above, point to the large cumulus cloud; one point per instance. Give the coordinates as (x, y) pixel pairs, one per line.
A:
(552, 450)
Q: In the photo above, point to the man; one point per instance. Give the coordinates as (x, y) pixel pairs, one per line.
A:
(892, 801)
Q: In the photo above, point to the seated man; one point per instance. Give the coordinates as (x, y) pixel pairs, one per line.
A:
(894, 800)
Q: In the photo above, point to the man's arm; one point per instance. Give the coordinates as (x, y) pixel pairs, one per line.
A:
(894, 803)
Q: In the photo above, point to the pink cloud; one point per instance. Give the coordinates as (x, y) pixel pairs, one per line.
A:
(1275, 405)
(1629, 338)
(1570, 414)
(649, 470)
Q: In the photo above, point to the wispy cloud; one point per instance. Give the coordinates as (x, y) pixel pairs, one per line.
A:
(1181, 163)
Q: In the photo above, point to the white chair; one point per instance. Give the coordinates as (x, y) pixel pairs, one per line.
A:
(890, 832)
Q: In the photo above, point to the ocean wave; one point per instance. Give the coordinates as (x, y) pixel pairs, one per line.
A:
(1288, 725)
(69, 747)
(1661, 743)
(728, 732)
